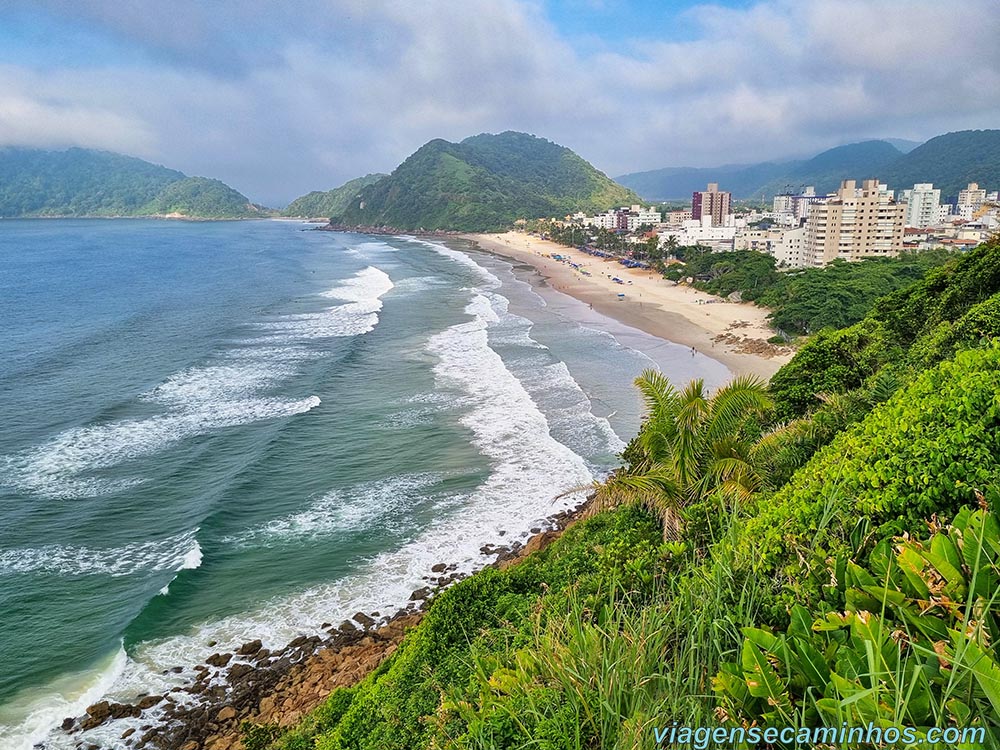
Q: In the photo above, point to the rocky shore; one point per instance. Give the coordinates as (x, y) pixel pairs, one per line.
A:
(254, 684)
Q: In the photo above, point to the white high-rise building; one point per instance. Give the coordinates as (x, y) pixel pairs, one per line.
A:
(923, 205)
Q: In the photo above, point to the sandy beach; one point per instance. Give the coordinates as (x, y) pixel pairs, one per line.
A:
(733, 333)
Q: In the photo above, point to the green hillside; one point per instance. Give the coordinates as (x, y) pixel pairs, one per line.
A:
(951, 162)
(330, 202)
(82, 182)
(484, 183)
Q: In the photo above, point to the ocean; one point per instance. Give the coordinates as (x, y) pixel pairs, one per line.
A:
(219, 431)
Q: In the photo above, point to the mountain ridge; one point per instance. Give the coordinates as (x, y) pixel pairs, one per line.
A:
(950, 161)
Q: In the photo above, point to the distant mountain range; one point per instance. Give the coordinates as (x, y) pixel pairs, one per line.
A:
(334, 202)
(83, 182)
(484, 183)
(949, 161)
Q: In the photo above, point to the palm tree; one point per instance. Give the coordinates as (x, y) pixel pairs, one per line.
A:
(690, 445)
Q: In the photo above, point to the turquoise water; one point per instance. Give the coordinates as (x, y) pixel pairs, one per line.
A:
(215, 432)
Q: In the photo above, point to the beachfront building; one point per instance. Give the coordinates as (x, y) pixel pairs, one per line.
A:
(790, 250)
(712, 204)
(855, 223)
(923, 206)
(758, 240)
(625, 219)
(701, 232)
(784, 244)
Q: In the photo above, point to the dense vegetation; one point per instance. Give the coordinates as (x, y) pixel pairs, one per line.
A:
(81, 182)
(331, 202)
(949, 161)
(839, 568)
(807, 300)
(484, 183)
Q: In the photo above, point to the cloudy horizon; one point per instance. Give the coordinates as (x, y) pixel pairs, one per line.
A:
(280, 100)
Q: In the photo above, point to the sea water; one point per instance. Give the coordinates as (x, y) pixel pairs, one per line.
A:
(219, 431)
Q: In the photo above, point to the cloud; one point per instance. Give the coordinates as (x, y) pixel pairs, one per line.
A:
(279, 99)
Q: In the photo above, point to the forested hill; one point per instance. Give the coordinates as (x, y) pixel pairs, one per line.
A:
(949, 161)
(484, 183)
(330, 202)
(83, 182)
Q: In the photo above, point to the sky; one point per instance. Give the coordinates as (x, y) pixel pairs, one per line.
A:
(280, 98)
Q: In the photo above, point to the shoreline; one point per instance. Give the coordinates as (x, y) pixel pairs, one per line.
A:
(254, 684)
(733, 333)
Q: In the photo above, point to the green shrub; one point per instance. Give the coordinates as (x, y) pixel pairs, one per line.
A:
(832, 362)
(927, 450)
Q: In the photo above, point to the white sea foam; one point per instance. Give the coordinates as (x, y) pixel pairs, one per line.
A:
(29, 718)
(362, 298)
(190, 561)
(58, 468)
(343, 510)
(198, 401)
(177, 552)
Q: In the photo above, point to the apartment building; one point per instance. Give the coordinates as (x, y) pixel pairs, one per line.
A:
(711, 203)
(923, 206)
(854, 224)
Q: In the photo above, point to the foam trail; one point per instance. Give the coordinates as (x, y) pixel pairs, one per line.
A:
(191, 561)
(350, 509)
(178, 552)
(70, 697)
(197, 400)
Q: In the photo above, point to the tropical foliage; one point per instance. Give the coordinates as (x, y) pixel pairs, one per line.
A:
(691, 445)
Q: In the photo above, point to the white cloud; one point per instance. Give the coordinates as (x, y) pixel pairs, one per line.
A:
(279, 102)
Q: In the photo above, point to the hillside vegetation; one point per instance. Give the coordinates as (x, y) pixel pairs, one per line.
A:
(950, 161)
(484, 183)
(838, 569)
(329, 203)
(82, 182)
(807, 300)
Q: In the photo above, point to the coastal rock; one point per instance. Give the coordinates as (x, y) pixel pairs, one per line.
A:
(97, 714)
(420, 594)
(226, 714)
(148, 702)
(364, 620)
(238, 671)
(219, 660)
(248, 649)
(68, 723)
(439, 568)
